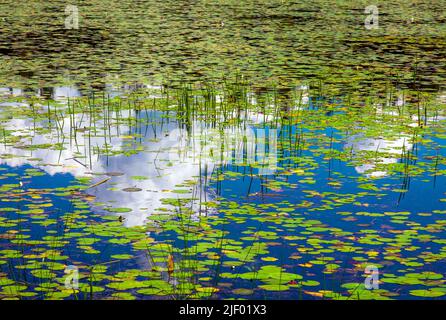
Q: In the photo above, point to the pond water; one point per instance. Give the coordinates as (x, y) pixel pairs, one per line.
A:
(261, 150)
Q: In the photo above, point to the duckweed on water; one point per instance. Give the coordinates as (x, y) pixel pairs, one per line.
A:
(193, 226)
